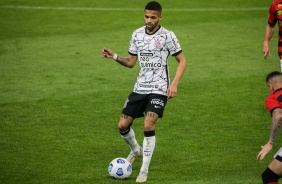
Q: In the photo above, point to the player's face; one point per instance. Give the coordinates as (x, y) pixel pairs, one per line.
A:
(152, 18)
(270, 88)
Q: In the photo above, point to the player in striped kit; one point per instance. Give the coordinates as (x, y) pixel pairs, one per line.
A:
(151, 45)
(274, 16)
(273, 104)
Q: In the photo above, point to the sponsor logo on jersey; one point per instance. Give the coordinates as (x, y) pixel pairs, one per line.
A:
(279, 12)
(146, 54)
(148, 86)
(146, 61)
(150, 65)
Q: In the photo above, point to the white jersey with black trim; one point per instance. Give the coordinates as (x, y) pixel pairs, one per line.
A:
(153, 51)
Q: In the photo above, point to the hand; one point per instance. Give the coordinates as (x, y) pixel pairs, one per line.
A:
(171, 91)
(265, 149)
(266, 50)
(107, 53)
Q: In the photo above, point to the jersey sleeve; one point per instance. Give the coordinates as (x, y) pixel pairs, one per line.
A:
(172, 44)
(132, 45)
(271, 15)
(271, 103)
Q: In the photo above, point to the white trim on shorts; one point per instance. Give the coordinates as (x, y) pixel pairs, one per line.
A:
(278, 153)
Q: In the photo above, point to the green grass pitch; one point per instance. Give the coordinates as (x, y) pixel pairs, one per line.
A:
(60, 101)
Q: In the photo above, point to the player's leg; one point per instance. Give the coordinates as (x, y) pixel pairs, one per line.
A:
(272, 173)
(154, 110)
(149, 143)
(128, 134)
(274, 170)
(133, 108)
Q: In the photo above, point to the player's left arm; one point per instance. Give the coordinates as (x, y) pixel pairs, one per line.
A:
(172, 89)
(275, 128)
(269, 31)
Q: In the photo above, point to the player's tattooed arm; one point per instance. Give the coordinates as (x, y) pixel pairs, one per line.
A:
(275, 128)
(129, 61)
(276, 124)
(123, 61)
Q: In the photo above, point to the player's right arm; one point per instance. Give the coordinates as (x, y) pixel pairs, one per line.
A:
(269, 31)
(129, 61)
(275, 128)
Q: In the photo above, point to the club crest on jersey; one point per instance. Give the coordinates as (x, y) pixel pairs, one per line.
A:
(157, 43)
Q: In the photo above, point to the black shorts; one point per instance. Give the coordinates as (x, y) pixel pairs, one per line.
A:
(137, 104)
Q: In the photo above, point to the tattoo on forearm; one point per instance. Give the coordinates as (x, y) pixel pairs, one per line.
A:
(122, 61)
(276, 124)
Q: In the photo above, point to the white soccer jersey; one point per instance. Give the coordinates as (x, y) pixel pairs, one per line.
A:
(153, 51)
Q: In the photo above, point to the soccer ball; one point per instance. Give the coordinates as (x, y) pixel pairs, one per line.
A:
(120, 168)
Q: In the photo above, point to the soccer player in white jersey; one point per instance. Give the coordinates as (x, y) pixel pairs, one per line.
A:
(150, 45)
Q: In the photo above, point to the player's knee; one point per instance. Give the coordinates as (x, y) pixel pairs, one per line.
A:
(268, 176)
(149, 126)
(124, 128)
(124, 123)
(150, 123)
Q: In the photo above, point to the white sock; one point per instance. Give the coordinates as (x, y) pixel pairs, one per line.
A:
(281, 65)
(148, 149)
(131, 141)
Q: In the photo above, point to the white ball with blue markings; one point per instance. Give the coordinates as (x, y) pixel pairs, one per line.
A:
(120, 168)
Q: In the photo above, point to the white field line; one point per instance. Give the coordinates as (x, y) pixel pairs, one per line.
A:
(131, 9)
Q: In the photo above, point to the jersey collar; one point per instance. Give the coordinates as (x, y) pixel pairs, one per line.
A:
(153, 32)
(279, 89)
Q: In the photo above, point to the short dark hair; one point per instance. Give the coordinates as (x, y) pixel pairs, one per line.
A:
(154, 5)
(271, 75)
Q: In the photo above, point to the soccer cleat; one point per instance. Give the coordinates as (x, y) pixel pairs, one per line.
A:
(133, 155)
(142, 177)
